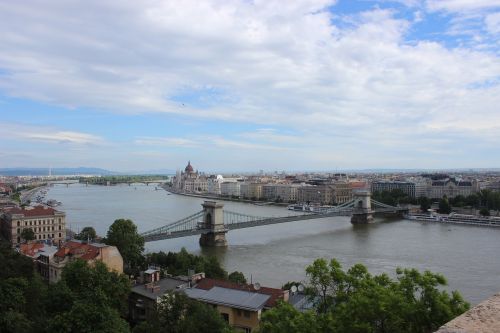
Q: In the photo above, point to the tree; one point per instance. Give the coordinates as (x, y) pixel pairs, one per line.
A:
(425, 204)
(356, 301)
(285, 318)
(484, 212)
(123, 234)
(237, 277)
(88, 299)
(87, 233)
(176, 313)
(444, 206)
(28, 234)
(181, 262)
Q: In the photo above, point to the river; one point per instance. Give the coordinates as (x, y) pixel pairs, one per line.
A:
(275, 254)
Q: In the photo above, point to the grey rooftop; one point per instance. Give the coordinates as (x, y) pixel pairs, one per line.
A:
(238, 299)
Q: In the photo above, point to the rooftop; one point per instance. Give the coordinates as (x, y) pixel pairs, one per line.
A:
(33, 211)
(245, 300)
(161, 287)
(79, 249)
(274, 293)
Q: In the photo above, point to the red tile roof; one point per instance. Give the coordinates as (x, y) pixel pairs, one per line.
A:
(31, 249)
(32, 212)
(276, 294)
(78, 250)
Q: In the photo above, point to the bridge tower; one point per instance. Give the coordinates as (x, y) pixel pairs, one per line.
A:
(213, 218)
(362, 212)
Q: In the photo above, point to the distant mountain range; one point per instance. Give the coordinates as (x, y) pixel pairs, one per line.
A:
(55, 171)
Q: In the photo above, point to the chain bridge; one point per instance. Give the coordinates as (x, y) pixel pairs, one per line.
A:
(213, 222)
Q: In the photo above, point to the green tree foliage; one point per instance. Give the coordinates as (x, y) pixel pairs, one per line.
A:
(237, 277)
(425, 204)
(285, 318)
(179, 263)
(393, 197)
(14, 264)
(444, 206)
(22, 293)
(28, 234)
(88, 299)
(118, 179)
(123, 234)
(484, 212)
(87, 233)
(356, 301)
(289, 284)
(176, 313)
(484, 199)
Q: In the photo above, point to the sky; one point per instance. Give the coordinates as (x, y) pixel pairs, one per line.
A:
(242, 85)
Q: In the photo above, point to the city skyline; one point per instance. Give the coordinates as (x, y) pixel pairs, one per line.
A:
(241, 86)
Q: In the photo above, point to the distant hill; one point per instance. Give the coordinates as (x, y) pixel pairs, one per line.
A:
(55, 171)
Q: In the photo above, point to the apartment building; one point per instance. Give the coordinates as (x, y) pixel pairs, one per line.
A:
(230, 188)
(90, 252)
(47, 224)
(251, 191)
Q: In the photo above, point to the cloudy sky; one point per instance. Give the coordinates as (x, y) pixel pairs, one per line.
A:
(246, 85)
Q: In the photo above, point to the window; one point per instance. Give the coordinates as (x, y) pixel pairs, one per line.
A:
(238, 311)
(18, 223)
(60, 235)
(246, 314)
(225, 316)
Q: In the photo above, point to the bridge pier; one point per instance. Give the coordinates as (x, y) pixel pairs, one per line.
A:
(213, 222)
(362, 213)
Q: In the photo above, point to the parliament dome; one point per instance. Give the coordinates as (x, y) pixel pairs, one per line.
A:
(189, 167)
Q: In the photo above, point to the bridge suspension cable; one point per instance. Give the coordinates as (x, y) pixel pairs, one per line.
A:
(186, 224)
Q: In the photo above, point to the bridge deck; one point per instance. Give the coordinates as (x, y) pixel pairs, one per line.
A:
(193, 225)
(242, 225)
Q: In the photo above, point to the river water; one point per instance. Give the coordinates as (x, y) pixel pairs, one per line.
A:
(275, 254)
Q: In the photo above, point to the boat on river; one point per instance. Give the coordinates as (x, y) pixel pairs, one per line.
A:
(299, 207)
(454, 218)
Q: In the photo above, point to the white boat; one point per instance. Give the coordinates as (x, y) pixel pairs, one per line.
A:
(298, 208)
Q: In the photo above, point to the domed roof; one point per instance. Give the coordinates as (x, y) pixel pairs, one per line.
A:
(189, 168)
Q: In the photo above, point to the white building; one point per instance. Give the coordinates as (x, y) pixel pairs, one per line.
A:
(230, 188)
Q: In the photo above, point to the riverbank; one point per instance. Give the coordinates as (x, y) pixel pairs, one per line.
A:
(216, 197)
(27, 195)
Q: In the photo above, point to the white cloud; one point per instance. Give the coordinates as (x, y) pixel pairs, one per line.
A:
(462, 5)
(47, 134)
(286, 64)
(493, 23)
(167, 142)
(205, 142)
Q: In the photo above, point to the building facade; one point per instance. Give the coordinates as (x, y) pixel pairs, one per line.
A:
(251, 191)
(90, 252)
(408, 188)
(47, 224)
(451, 188)
(342, 192)
(190, 181)
(230, 188)
(318, 194)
